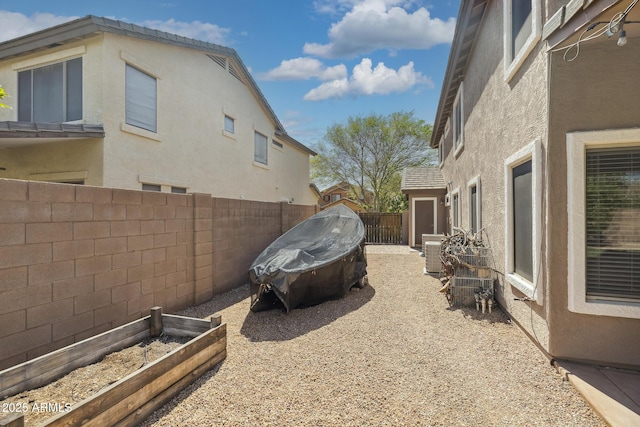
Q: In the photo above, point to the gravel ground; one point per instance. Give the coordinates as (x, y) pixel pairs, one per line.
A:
(390, 354)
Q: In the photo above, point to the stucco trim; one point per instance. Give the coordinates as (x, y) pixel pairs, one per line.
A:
(577, 144)
(456, 192)
(140, 132)
(475, 182)
(50, 58)
(533, 152)
(458, 144)
(513, 64)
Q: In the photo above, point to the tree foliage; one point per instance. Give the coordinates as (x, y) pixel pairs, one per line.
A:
(370, 153)
(3, 94)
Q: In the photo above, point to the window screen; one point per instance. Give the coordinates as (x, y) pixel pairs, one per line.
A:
(612, 226)
(473, 207)
(260, 148)
(523, 220)
(141, 99)
(229, 124)
(455, 203)
(521, 24)
(51, 94)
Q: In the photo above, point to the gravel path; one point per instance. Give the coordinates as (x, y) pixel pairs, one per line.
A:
(391, 354)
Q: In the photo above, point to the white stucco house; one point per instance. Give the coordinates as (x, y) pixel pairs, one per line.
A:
(107, 103)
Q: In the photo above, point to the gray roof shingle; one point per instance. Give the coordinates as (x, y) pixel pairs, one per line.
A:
(422, 178)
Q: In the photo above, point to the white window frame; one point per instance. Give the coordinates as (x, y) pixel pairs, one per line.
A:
(227, 118)
(533, 152)
(154, 128)
(458, 218)
(577, 144)
(475, 182)
(513, 63)
(458, 140)
(257, 162)
(441, 152)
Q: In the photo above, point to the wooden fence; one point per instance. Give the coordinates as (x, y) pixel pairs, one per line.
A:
(382, 228)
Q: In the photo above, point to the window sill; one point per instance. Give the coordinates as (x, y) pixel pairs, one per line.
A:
(629, 310)
(230, 135)
(260, 165)
(523, 285)
(140, 132)
(458, 150)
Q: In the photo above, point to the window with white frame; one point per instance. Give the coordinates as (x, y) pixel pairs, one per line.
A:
(335, 197)
(141, 98)
(458, 121)
(455, 208)
(51, 94)
(441, 151)
(523, 186)
(261, 147)
(604, 233)
(229, 124)
(475, 205)
(522, 29)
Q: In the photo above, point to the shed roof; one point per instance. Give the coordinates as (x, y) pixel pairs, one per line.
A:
(91, 25)
(422, 178)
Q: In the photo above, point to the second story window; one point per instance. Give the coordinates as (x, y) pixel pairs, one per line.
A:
(141, 99)
(260, 148)
(229, 124)
(522, 29)
(458, 121)
(51, 94)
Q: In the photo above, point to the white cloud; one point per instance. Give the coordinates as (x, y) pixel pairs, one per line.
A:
(203, 31)
(304, 69)
(380, 24)
(16, 24)
(366, 80)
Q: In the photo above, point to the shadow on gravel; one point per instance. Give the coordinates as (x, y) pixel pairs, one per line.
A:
(496, 315)
(276, 325)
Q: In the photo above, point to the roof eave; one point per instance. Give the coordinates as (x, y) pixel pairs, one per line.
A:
(469, 21)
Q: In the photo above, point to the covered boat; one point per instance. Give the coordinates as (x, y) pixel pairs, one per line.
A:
(319, 259)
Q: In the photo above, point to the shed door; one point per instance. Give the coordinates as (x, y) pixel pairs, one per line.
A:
(424, 220)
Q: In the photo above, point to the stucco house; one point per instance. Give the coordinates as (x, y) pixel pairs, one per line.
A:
(426, 191)
(107, 103)
(539, 111)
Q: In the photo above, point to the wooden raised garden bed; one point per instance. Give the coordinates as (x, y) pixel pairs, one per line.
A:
(134, 397)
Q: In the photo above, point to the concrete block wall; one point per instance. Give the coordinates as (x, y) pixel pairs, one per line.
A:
(76, 261)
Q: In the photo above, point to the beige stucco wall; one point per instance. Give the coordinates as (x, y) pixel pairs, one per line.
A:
(500, 119)
(189, 149)
(588, 94)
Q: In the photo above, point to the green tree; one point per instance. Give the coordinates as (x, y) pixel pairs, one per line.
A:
(370, 153)
(3, 94)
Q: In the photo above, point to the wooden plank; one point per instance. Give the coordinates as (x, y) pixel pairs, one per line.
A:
(175, 332)
(157, 402)
(155, 321)
(136, 400)
(186, 323)
(119, 391)
(44, 369)
(14, 420)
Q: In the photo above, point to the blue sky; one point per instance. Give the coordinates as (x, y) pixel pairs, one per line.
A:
(317, 62)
